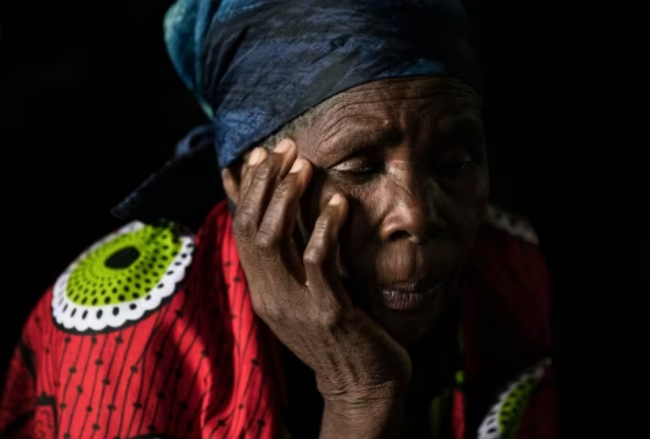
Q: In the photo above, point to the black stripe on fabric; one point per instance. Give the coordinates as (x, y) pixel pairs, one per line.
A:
(81, 382)
(92, 392)
(205, 393)
(240, 353)
(260, 418)
(221, 423)
(111, 406)
(174, 358)
(71, 372)
(27, 355)
(155, 411)
(180, 341)
(161, 393)
(66, 340)
(178, 375)
(155, 367)
(105, 384)
(173, 363)
(257, 404)
(240, 274)
(250, 375)
(157, 325)
(189, 391)
(47, 367)
(134, 370)
(198, 408)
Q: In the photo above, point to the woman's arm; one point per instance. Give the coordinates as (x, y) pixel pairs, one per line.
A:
(360, 369)
(370, 418)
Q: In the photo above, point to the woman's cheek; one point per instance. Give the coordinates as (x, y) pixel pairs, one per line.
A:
(322, 188)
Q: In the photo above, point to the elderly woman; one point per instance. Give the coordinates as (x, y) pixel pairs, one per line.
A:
(354, 284)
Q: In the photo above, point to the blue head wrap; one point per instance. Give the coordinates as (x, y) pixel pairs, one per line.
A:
(254, 65)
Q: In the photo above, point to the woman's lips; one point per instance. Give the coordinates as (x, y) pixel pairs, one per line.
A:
(408, 296)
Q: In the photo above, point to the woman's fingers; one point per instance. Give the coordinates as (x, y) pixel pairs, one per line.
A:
(264, 173)
(320, 257)
(276, 230)
(256, 156)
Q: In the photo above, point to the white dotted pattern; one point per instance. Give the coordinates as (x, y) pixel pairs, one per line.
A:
(489, 428)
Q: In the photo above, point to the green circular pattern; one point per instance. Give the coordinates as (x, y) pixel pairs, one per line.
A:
(513, 407)
(122, 278)
(502, 422)
(96, 281)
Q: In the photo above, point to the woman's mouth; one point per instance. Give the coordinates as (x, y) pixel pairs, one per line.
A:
(407, 297)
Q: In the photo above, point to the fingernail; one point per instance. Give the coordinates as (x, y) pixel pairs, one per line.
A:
(255, 157)
(297, 166)
(335, 200)
(283, 146)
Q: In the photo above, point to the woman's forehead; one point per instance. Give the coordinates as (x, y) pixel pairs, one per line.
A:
(381, 99)
(359, 133)
(384, 107)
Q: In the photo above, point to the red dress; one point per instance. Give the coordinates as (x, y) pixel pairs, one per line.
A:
(150, 333)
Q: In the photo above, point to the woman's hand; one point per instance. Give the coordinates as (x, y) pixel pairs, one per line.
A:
(362, 373)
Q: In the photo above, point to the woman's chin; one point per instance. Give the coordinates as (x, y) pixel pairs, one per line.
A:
(408, 326)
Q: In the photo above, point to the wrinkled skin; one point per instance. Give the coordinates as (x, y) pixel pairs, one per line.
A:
(391, 183)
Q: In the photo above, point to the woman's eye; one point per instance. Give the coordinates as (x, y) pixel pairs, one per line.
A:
(360, 170)
(356, 170)
(454, 168)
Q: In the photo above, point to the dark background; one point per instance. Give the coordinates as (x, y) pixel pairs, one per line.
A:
(90, 106)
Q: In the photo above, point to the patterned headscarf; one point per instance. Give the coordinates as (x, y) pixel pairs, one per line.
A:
(254, 65)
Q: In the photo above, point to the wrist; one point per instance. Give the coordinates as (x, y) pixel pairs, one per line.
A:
(372, 416)
(343, 394)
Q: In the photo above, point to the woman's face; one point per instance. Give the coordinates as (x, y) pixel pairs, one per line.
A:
(409, 156)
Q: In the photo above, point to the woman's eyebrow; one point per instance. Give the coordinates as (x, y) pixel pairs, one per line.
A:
(357, 139)
(456, 126)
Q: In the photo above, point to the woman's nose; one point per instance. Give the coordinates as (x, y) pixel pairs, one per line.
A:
(413, 214)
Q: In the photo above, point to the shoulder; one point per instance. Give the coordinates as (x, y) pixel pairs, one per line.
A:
(507, 247)
(128, 274)
(122, 277)
(507, 299)
(512, 224)
(506, 252)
